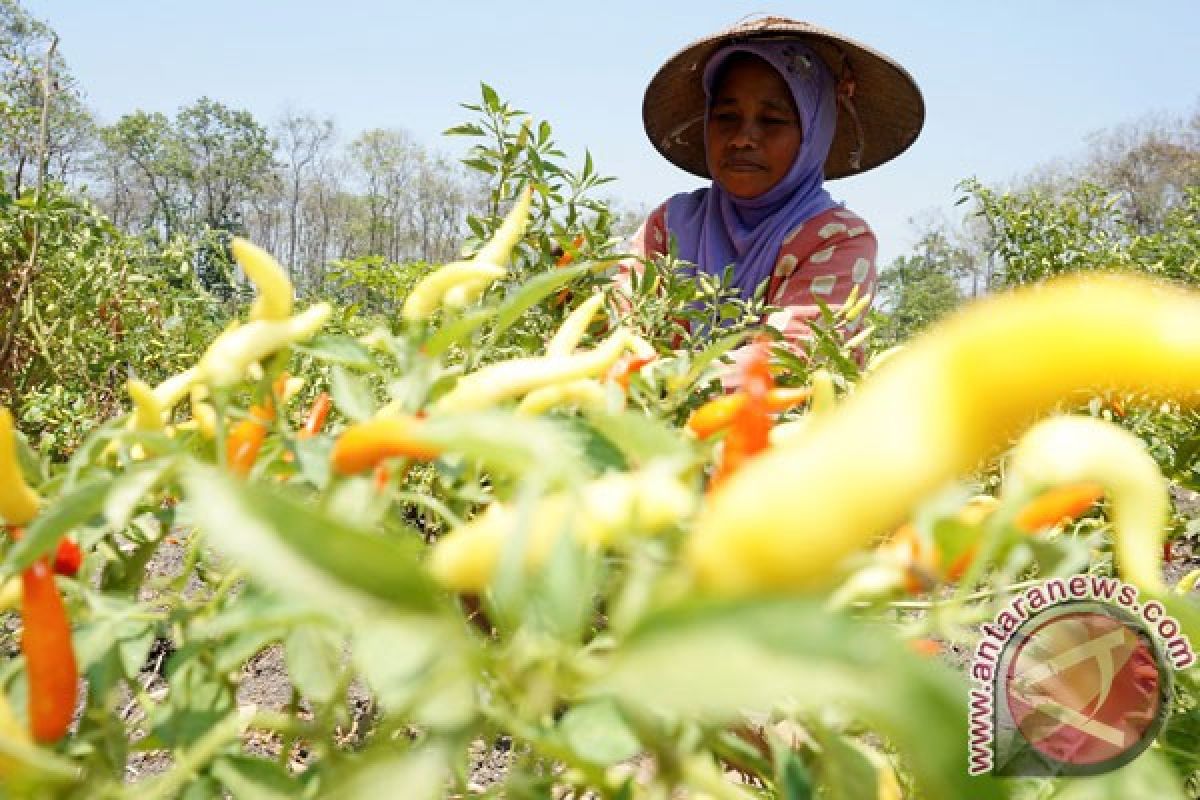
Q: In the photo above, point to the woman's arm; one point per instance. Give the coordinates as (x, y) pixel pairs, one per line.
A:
(649, 241)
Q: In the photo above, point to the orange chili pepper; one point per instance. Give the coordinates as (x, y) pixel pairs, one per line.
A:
(568, 256)
(53, 675)
(246, 438)
(626, 367)
(921, 557)
(316, 416)
(750, 426)
(928, 648)
(362, 446)
(1058, 504)
(382, 475)
(565, 260)
(958, 567)
(716, 415)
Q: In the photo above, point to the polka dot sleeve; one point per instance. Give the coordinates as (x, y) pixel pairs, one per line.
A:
(823, 259)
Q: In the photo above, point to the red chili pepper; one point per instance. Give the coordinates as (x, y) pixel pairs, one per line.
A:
(316, 416)
(67, 558)
(53, 675)
(750, 430)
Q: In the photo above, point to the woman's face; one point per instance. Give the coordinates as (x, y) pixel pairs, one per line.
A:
(753, 131)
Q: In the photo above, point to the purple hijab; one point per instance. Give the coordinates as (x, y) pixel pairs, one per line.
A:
(714, 228)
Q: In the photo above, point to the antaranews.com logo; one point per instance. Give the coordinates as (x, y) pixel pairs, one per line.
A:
(1072, 678)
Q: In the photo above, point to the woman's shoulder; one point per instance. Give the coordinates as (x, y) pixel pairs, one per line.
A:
(835, 221)
(833, 227)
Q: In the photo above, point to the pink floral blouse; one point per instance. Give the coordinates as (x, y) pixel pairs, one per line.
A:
(825, 257)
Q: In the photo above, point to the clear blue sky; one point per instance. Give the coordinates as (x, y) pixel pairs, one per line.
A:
(1008, 85)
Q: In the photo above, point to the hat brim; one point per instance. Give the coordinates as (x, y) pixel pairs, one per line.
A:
(887, 100)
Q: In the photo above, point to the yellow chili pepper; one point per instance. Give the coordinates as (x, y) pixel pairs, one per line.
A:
(860, 337)
(13, 732)
(824, 398)
(274, 301)
(461, 282)
(18, 503)
(204, 416)
(231, 354)
(852, 298)
(427, 296)
(1070, 449)
(569, 334)
(649, 501)
(953, 397)
(855, 308)
(508, 379)
(1188, 582)
(499, 248)
(10, 594)
(363, 446)
(585, 393)
(147, 411)
(463, 294)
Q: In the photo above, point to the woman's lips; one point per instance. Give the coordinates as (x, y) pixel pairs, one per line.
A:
(744, 166)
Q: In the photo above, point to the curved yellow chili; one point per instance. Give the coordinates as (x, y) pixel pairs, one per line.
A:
(586, 394)
(934, 411)
(18, 503)
(430, 292)
(852, 310)
(461, 282)
(499, 248)
(274, 301)
(231, 354)
(508, 379)
(571, 332)
(1071, 449)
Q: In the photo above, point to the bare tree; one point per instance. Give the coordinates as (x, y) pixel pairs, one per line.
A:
(303, 141)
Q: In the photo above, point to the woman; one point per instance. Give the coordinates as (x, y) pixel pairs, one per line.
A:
(770, 109)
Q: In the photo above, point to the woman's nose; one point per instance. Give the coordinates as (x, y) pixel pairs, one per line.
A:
(746, 135)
